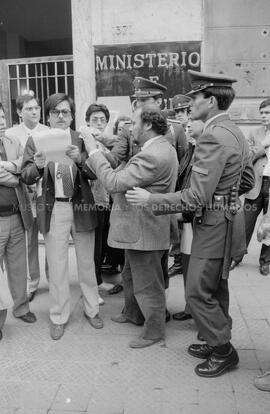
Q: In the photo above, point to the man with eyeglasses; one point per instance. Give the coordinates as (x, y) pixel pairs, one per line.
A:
(65, 207)
(97, 117)
(28, 110)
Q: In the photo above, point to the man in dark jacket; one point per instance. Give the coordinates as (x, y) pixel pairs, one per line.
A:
(65, 206)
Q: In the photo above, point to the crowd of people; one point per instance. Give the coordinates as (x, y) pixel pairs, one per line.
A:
(165, 183)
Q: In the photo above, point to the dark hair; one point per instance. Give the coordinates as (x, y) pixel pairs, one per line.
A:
(265, 103)
(120, 119)
(150, 113)
(2, 107)
(22, 99)
(53, 100)
(97, 108)
(223, 94)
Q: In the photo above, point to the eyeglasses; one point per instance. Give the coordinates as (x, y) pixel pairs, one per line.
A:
(96, 120)
(57, 112)
(32, 108)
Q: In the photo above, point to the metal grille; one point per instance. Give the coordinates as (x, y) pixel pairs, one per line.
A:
(44, 77)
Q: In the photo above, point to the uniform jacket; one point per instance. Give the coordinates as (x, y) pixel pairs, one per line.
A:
(177, 137)
(154, 168)
(185, 168)
(254, 141)
(220, 154)
(14, 151)
(82, 200)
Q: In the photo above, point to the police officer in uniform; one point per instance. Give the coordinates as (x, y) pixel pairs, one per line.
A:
(181, 105)
(221, 165)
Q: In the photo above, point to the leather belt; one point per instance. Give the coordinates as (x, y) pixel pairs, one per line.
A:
(64, 199)
(219, 201)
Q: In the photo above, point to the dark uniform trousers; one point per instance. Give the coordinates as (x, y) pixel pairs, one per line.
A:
(185, 264)
(143, 281)
(252, 209)
(207, 296)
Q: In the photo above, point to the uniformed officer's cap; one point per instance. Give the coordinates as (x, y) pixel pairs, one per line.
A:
(201, 81)
(181, 102)
(144, 88)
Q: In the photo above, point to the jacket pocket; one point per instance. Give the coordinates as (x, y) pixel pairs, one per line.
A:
(125, 226)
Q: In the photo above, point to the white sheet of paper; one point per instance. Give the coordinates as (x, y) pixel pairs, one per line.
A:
(54, 143)
(186, 238)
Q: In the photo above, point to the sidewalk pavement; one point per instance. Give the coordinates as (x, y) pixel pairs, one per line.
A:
(93, 371)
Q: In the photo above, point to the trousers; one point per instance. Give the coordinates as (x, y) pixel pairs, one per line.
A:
(57, 246)
(252, 210)
(13, 252)
(207, 296)
(144, 290)
(33, 274)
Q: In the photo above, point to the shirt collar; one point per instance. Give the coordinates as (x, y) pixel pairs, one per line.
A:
(149, 142)
(208, 122)
(28, 130)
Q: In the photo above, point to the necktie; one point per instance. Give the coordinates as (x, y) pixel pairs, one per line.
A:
(3, 155)
(63, 171)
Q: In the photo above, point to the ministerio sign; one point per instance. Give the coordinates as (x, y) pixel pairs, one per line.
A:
(167, 63)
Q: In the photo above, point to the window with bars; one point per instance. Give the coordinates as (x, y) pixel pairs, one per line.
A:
(43, 77)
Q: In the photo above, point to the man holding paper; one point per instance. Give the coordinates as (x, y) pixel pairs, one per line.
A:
(65, 206)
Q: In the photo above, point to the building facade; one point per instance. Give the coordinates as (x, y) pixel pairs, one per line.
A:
(94, 49)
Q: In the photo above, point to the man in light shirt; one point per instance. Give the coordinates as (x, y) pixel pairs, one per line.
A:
(257, 199)
(65, 207)
(28, 110)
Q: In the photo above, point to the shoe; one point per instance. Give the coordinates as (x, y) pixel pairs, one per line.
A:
(56, 331)
(264, 269)
(167, 316)
(1, 334)
(202, 351)
(200, 337)
(96, 322)
(234, 264)
(175, 269)
(217, 364)
(182, 316)
(116, 289)
(100, 301)
(143, 343)
(29, 317)
(121, 318)
(105, 286)
(262, 382)
(31, 296)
